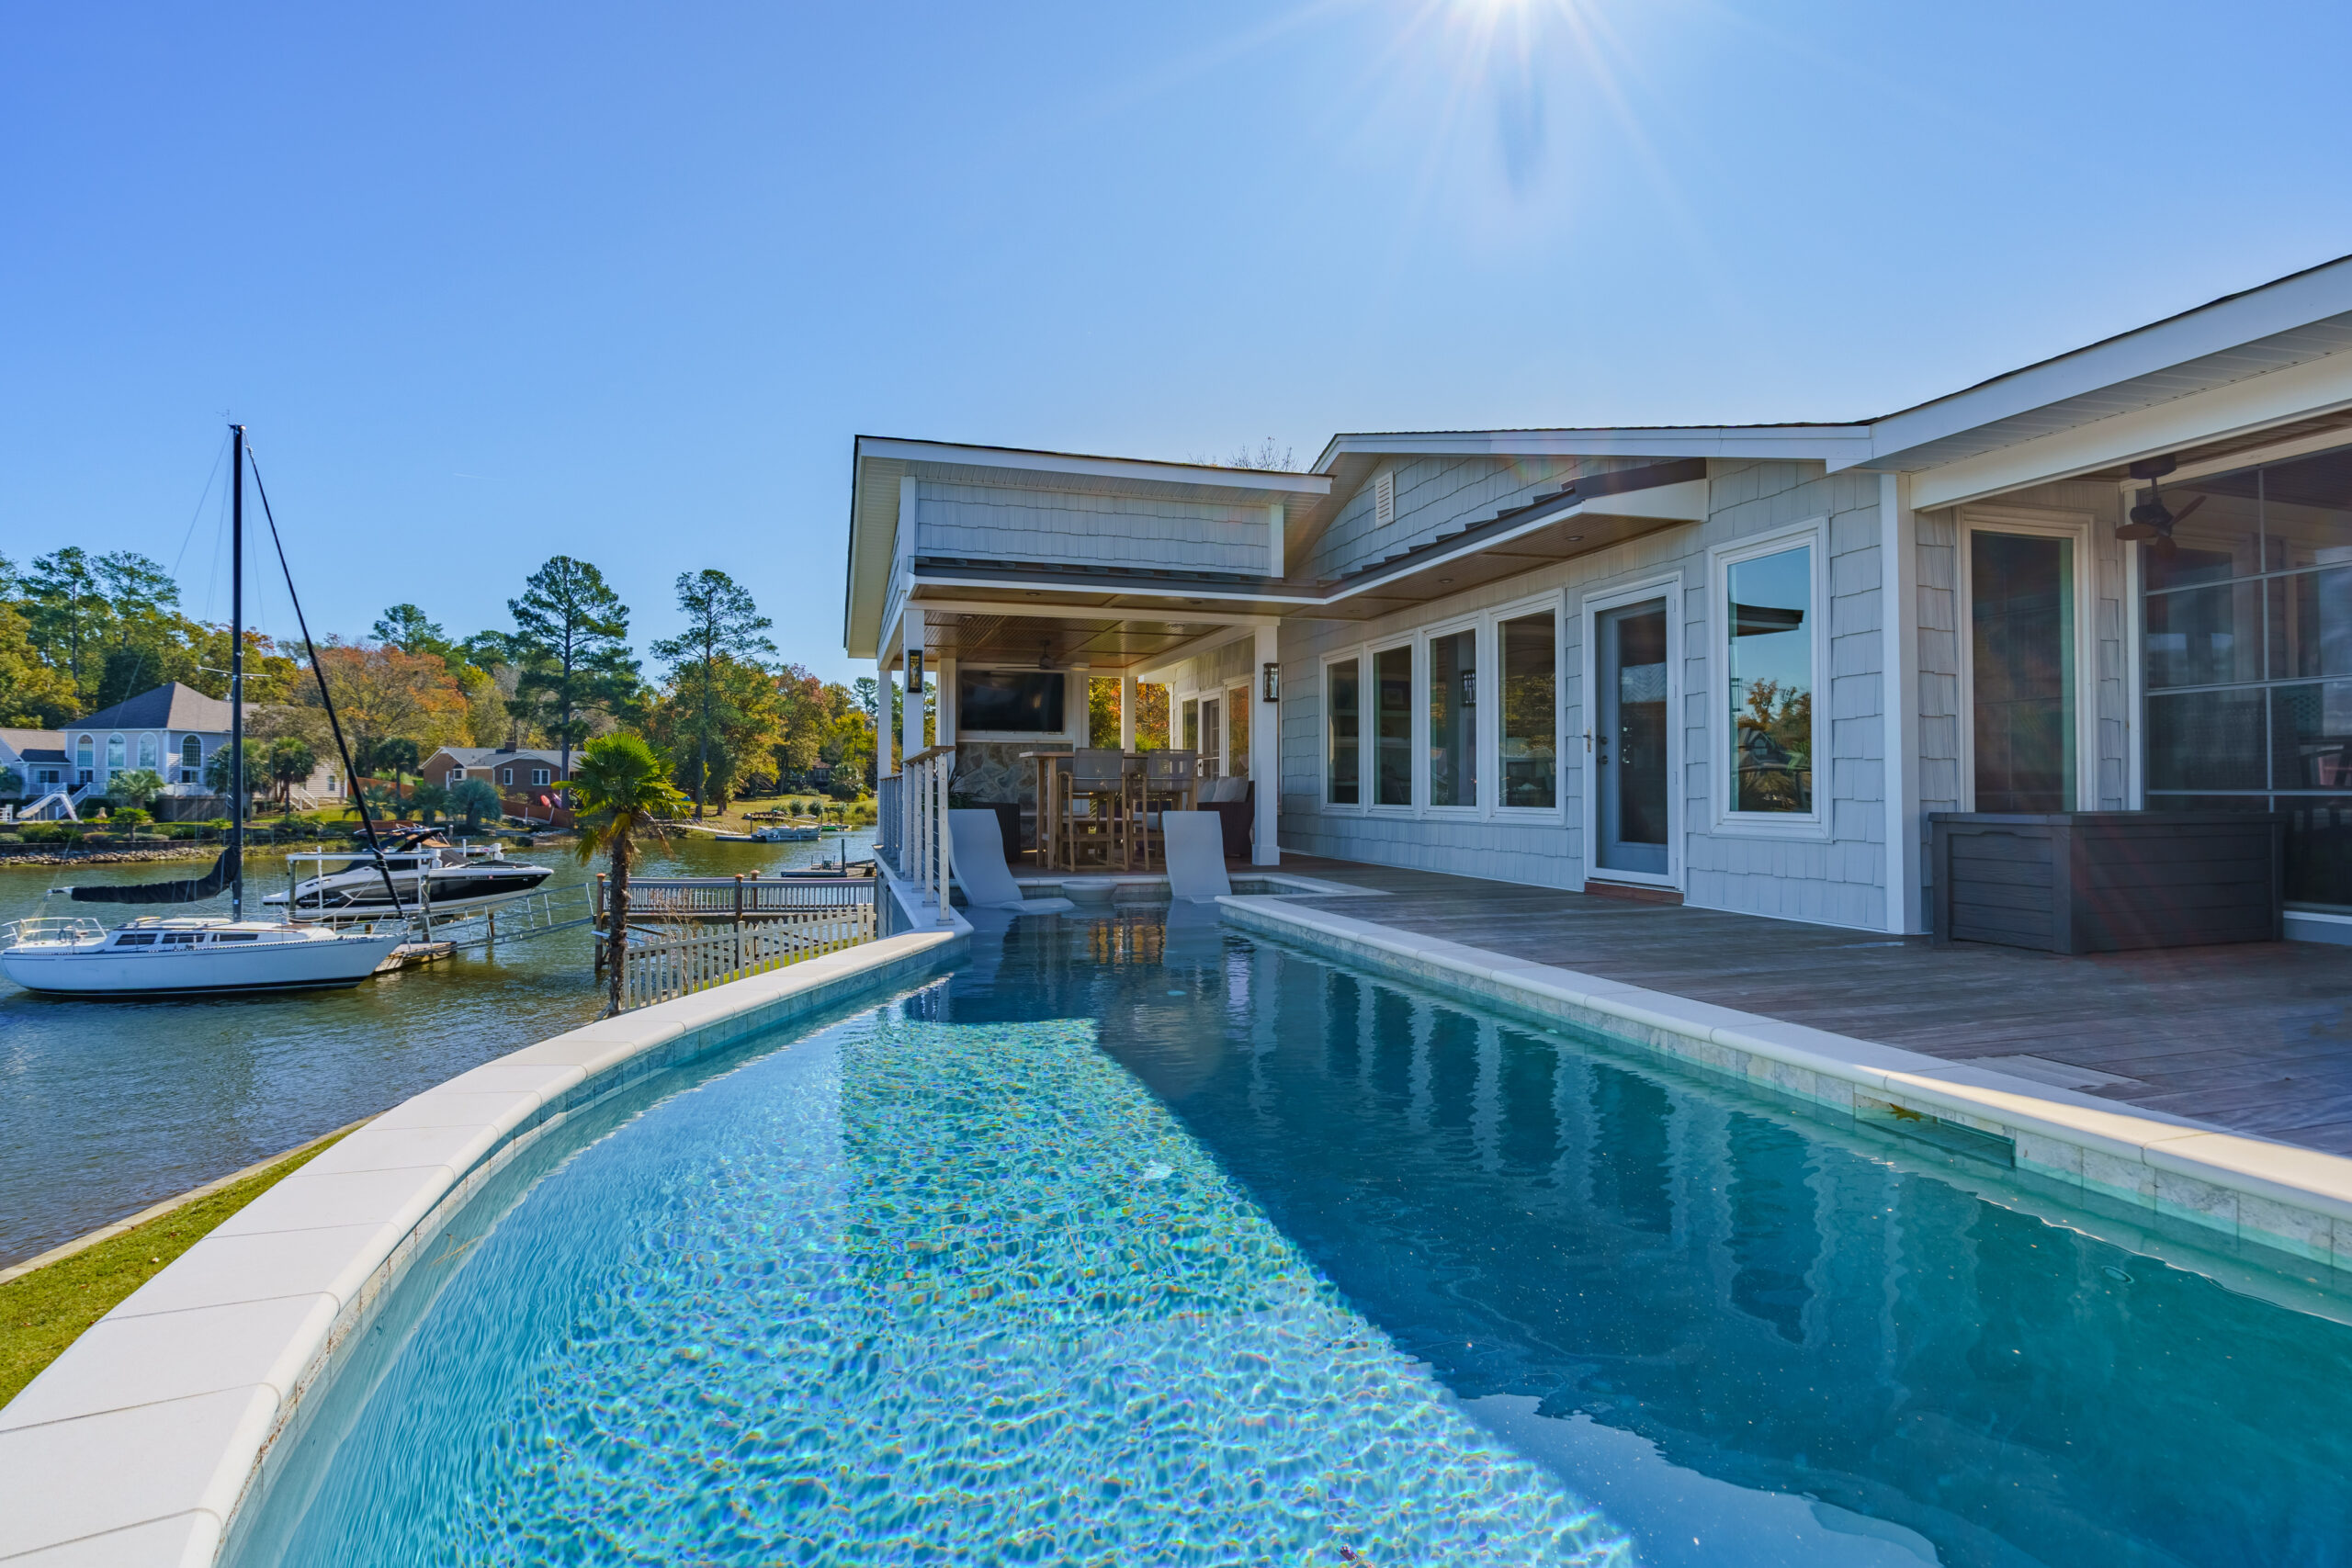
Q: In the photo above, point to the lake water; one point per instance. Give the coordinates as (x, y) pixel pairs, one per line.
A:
(107, 1107)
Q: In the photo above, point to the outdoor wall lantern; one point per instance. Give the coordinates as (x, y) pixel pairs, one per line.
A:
(1271, 676)
(914, 669)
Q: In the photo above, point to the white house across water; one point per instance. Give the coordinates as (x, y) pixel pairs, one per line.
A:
(1732, 666)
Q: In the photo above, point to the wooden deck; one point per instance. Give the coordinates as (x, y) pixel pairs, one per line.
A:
(2255, 1037)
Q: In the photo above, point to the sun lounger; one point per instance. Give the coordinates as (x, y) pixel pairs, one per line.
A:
(1195, 844)
(979, 869)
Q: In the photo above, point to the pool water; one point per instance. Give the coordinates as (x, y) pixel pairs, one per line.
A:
(1137, 1241)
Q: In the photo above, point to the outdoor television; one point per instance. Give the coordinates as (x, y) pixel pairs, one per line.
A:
(1010, 702)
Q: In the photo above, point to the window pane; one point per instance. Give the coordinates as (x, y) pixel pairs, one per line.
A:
(2311, 624)
(1531, 712)
(2306, 510)
(1391, 673)
(1212, 738)
(2217, 531)
(1342, 778)
(1454, 719)
(2022, 626)
(1236, 708)
(1191, 727)
(2203, 637)
(2311, 735)
(2319, 851)
(2206, 740)
(1771, 682)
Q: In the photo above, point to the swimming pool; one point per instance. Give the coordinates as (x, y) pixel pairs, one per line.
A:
(1135, 1240)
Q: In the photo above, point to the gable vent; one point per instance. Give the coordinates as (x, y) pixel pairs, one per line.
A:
(1383, 498)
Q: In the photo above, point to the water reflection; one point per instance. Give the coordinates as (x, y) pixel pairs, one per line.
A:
(1600, 1253)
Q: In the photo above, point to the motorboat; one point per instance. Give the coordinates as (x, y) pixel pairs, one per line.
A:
(421, 871)
(785, 833)
(186, 956)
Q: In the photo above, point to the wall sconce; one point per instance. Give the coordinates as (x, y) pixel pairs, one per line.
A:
(1270, 679)
(915, 671)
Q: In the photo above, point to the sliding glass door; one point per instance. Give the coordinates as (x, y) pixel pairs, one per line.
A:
(2021, 644)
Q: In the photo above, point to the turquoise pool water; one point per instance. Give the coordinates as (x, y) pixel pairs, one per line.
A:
(1145, 1243)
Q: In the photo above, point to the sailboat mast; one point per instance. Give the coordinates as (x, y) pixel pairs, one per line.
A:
(237, 679)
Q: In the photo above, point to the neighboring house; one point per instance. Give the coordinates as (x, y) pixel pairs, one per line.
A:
(1735, 665)
(37, 756)
(506, 766)
(174, 731)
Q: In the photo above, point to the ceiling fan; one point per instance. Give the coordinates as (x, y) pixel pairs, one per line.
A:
(2152, 520)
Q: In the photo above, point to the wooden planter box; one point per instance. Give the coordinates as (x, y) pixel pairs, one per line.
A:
(2108, 881)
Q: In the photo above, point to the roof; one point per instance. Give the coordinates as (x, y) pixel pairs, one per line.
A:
(480, 756)
(35, 745)
(172, 706)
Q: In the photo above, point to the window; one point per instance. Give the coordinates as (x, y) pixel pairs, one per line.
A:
(541, 775)
(2021, 665)
(134, 939)
(1453, 718)
(1212, 738)
(1392, 675)
(1191, 726)
(1531, 714)
(1342, 772)
(2247, 657)
(1770, 659)
(454, 776)
(191, 752)
(146, 751)
(1383, 498)
(506, 776)
(115, 763)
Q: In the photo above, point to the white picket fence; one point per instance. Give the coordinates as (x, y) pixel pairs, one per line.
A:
(658, 968)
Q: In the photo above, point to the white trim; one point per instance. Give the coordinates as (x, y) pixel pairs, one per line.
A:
(1410, 643)
(1554, 601)
(1838, 444)
(1667, 588)
(1423, 750)
(2135, 667)
(1357, 655)
(947, 454)
(2040, 523)
(1815, 825)
(1057, 609)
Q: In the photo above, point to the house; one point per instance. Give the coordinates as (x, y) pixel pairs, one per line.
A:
(37, 757)
(174, 731)
(507, 767)
(1733, 666)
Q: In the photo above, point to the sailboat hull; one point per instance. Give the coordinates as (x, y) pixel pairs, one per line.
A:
(80, 969)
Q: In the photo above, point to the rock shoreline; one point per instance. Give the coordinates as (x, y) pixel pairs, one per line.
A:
(41, 854)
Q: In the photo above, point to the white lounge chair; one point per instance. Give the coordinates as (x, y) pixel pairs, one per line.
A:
(1195, 844)
(979, 869)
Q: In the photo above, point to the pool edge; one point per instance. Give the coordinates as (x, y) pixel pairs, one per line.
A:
(143, 1440)
(2282, 1197)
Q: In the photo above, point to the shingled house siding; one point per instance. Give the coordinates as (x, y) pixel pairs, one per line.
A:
(1435, 494)
(1837, 878)
(1007, 523)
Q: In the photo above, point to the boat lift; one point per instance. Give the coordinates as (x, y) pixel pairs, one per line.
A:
(444, 935)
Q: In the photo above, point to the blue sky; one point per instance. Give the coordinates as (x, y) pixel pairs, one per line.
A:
(490, 283)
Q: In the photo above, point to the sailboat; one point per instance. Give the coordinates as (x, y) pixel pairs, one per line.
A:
(181, 956)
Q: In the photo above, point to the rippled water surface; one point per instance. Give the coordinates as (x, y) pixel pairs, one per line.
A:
(1144, 1244)
(107, 1107)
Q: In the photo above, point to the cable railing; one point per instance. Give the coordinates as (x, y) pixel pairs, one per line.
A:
(914, 838)
(660, 967)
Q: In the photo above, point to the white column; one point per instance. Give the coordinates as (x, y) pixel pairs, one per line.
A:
(911, 713)
(946, 676)
(1265, 749)
(1275, 540)
(1899, 656)
(1126, 710)
(881, 720)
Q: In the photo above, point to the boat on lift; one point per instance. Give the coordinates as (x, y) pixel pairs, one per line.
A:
(183, 955)
(419, 871)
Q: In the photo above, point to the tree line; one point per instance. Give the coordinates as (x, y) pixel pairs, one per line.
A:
(81, 632)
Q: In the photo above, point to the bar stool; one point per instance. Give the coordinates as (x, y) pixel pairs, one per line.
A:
(1169, 777)
(1096, 779)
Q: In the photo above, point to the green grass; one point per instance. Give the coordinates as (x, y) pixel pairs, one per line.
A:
(44, 1312)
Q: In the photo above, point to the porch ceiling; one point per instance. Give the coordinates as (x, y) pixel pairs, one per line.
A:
(1105, 643)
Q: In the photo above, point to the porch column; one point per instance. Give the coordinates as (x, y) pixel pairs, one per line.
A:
(1899, 658)
(910, 712)
(1126, 710)
(946, 676)
(1265, 748)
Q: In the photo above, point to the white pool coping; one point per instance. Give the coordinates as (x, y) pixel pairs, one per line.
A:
(2275, 1195)
(138, 1444)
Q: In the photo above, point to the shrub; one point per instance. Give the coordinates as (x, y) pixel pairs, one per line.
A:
(42, 833)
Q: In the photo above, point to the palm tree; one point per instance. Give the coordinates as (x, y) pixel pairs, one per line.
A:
(622, 785)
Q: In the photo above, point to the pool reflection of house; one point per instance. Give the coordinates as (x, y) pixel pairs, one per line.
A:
(2118, 578)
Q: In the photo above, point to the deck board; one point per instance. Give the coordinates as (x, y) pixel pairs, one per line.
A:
(2256, 1036)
